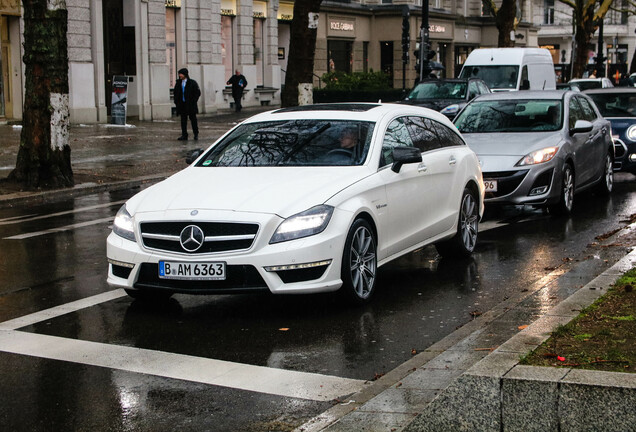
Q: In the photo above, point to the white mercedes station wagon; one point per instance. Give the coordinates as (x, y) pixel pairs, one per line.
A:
(302, 200)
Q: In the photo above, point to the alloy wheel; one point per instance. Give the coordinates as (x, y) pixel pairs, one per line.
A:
(363, 262)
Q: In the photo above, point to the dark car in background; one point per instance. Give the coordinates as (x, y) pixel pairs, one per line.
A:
(447, 96)
(618, 105)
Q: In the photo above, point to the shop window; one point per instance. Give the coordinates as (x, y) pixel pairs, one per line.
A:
(340, 56)
(259, 50)
(227, 44)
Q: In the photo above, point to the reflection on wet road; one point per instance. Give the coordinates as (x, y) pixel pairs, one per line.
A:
(124, 363)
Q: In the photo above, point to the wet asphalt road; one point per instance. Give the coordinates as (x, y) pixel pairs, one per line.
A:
(54, 254)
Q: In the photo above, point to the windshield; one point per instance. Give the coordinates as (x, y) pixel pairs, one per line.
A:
(438, 90)
(293, 143)
(615, 105)
(496, 77)
(511, 116)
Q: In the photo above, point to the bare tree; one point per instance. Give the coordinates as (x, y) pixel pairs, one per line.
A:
(505, 19)
(587, 15)
(44, 156)
(302, 47)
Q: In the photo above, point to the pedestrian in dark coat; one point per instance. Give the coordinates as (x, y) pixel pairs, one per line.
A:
(238, 83)
(186, 96)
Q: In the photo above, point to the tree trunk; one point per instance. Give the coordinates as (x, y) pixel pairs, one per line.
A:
(505, 21)
(302, 47)
(632, 66)
(44, 157)
(585, 27)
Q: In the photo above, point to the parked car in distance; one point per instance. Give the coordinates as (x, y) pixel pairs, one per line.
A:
(539, 148)
(302, 200)
(591, 83)
(447, 96)
(568, 86)
(618, 105)
(508, 69)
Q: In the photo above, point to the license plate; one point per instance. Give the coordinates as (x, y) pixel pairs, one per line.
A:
(192, 271)
(490, 185)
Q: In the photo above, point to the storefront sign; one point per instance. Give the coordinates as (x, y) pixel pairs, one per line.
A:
(173, 4)
(228, 12)
(435, 28)
(341, 27)
(119, 98)
(259, 9)
(228, 8)
(285, 12)
(10, 7)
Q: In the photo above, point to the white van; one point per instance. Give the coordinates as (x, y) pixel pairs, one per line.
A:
(507, 69)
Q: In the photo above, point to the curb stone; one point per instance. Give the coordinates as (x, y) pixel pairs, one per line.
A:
(498, 394)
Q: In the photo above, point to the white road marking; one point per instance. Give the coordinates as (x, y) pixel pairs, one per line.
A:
(64, 309)
(280, 382)
(60, 229)
(28, 218)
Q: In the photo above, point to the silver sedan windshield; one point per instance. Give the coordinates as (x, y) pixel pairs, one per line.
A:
(514, 115)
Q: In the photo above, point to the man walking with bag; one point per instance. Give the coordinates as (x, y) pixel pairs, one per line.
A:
(186, 96)
(238, 83)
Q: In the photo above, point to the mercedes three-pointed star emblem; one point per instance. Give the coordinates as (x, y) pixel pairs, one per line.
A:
(191, 238)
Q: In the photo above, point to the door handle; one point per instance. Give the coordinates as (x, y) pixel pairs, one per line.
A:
(422, 168)
(452, 160)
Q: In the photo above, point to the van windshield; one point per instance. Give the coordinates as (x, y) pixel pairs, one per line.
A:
(497, 77)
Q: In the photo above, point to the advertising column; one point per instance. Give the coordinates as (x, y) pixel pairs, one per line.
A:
(118, 102)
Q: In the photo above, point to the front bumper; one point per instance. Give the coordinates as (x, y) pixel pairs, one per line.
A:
(537, 185)
(262, 267)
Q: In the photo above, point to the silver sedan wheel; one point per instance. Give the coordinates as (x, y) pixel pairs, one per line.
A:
(568, 189)
(609, 174)
(469, 220)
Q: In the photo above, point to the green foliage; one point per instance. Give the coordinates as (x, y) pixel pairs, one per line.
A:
(338, 80)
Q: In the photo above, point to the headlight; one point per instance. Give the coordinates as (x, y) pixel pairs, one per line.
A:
(123, 225)
(539, 156)
(451, 109)
(631, 133)
(305, 224)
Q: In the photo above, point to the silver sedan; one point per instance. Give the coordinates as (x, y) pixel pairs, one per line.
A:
(539, 147)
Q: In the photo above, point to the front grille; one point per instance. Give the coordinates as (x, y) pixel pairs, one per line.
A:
(219, 236)
(507, 181)
(239, 278)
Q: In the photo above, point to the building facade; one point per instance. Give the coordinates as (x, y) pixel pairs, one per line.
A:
(147, 41)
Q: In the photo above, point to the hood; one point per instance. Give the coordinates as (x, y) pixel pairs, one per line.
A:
(510, 144)
(274, 190)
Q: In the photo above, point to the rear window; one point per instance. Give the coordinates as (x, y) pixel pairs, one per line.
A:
(615, 105)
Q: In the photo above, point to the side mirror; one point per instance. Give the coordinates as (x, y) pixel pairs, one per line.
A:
(193, 155)
(581, 126)
(405, 155)
(525, 85)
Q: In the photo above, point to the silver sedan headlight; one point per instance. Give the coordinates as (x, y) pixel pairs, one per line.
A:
(123, 224)
(304, 224)
(538, 156)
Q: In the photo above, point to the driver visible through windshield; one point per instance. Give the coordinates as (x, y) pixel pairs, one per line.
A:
(293, 143)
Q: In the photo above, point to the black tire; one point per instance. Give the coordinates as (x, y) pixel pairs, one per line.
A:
(463, 243)
(607, 182)
(143, 295)
(566, 198)
(359, 263)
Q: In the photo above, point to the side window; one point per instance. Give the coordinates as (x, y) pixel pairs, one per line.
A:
(525, 84)
(424, 135)
(473, 89)
(396, 135)
(590, 114)
(576, 113)
(484, 88)
(447, 137)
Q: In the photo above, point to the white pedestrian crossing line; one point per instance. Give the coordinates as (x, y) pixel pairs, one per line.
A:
(29, 218)
(60, 229)
(261, 379)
